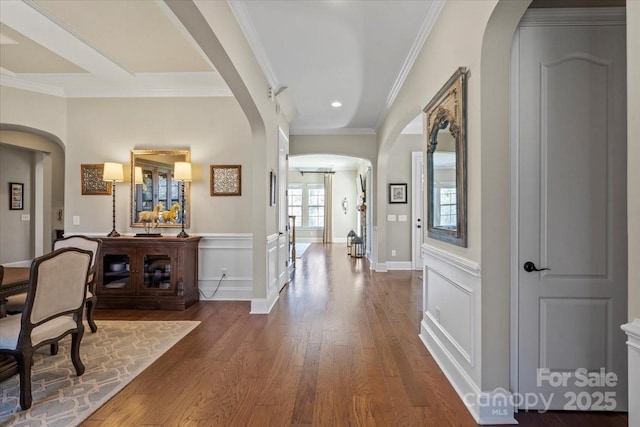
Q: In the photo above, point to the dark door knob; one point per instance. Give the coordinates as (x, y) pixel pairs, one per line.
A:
(530, 267)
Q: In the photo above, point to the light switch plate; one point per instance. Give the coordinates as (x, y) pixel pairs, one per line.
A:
(26, 217)
(76, 220)
(402, 218)
(391, 218)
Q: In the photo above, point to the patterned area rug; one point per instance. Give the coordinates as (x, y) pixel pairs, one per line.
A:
(113, 356)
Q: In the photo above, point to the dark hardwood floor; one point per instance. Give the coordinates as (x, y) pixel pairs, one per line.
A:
(340, 348)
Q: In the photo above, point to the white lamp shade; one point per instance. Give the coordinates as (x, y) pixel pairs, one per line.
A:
(182, 171)
(138, 175)
(113, 172)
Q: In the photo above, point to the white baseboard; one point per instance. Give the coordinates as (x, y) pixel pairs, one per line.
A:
(399, 265)
(26, 263)
(632, 330)
(309, 239)
(485, 407)
(380, 267)
(264, 305)
(230, 289)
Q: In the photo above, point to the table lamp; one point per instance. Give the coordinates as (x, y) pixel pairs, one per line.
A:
(182, 173)
(113, 172)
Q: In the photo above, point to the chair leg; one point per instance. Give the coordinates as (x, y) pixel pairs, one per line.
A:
(76, 337)
(54, 348)
(90, 306)
(24, 362)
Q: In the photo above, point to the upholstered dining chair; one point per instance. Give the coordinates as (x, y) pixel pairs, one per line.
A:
(53, 310)
(15, 304)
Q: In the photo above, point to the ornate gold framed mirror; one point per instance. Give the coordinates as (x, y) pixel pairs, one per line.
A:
(156, 198)
(446, 162)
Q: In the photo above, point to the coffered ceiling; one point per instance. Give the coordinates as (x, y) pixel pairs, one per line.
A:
(98, 48)
(356, 52)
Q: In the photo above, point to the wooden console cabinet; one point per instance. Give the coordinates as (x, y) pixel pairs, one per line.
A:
(148, 273)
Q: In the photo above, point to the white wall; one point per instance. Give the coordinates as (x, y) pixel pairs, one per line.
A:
(399, 234)
(52, 184)
(360, 146)
(214, 129)
(453, 48)
(344, 185)
(44, 112)
(16, 236)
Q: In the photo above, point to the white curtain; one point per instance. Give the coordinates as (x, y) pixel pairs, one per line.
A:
(328, 207)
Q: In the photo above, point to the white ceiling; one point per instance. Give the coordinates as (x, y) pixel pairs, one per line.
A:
(356, 52)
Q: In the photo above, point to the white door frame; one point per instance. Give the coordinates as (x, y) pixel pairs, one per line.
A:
(514, 146)
(282, 217)
(417, 209)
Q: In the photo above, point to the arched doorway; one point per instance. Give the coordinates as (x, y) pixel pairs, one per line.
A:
(38, 157)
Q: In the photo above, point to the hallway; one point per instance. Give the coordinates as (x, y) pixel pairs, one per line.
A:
(340, 348)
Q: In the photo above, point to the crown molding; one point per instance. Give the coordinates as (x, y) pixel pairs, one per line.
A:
(339, 131)
(574, 16)
(144, 85)
(246, 25)
(147, 93)
(430, 18)
(15, 82)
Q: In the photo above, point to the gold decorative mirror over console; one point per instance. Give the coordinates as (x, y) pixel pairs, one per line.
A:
(446, 162)
(155, 195)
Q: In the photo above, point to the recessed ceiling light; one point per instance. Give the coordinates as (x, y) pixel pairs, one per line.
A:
(336, 104)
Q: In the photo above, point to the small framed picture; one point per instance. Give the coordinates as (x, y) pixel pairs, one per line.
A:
(397, 193)
(91, 181)
(226, 180)
(16, 196)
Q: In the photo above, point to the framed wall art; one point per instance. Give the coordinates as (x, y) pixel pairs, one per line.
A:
(16, 196)
(226, 180)
(91, 180)
(397, 193)
(272, 188)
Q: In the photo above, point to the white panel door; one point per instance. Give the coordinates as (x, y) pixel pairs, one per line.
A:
(417, 174)
(283, 217)
(572, 217)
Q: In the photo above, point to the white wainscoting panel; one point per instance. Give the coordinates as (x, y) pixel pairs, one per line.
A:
(264, 305)
(231, 254)
(450, 329)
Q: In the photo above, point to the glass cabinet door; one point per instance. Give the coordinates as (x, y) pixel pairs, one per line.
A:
(157, 272)
(116, 272)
